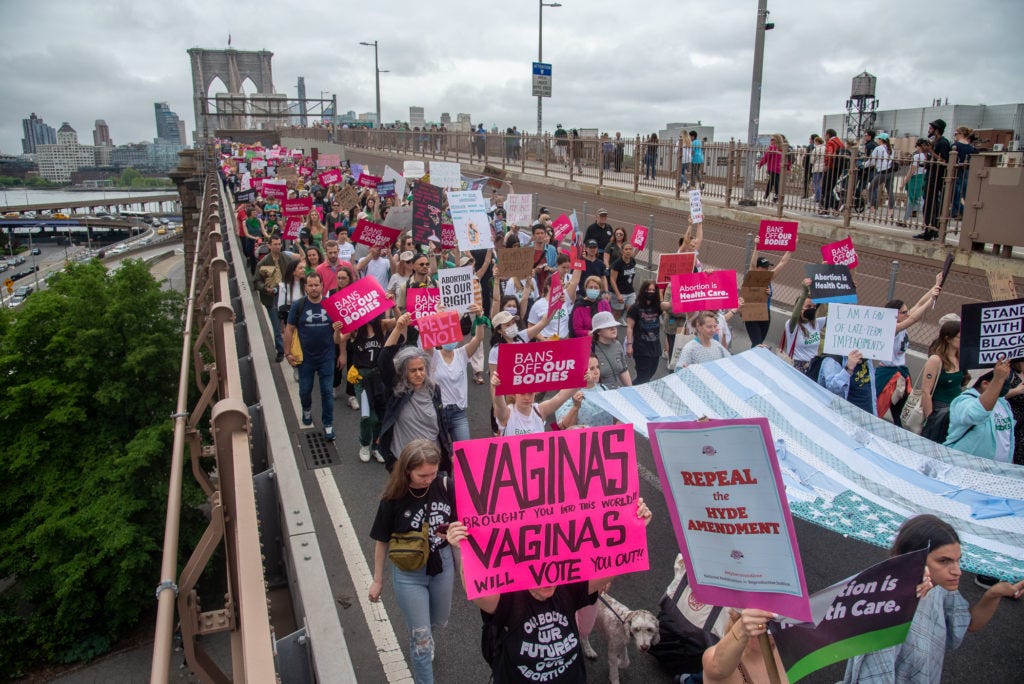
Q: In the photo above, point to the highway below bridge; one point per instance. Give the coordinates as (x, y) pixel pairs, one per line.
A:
(318, 551)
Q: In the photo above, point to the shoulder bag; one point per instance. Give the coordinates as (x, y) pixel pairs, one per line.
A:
(409, 550)
(912, 416)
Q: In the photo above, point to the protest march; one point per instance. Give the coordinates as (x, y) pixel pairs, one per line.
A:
(406, 286)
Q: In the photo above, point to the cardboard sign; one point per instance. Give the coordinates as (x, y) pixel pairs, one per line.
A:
(869, 329)
(346, 198)
(469, 216)
(991, 332)
(359, 303)
(420, 302)
(456, 286)
(392, 176)
(563, 228)
(328, 161)
(299, 206)
(292, 227)
(414, 169)
(426, 212)
(1000, 284)
(446, 174)
(867, 612)
(374, 234)
(696, 210)
(675, 264)
(543, 366)
(365, 180)
(519, 209)
(831, 283)
(516, 262)
(449, 240)
(841, 252)
(328, 178)
(639, 238)
(778, 236)
(386, 188)
(399, 218)
(729, 510)
(701, 291)
(755, 295)
(548, 509)
(440, 328)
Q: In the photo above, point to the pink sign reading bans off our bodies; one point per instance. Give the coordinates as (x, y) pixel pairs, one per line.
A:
(542, 366)
(374, 235)
(548, 508)
(420, 302)
(329, 178)
(840, 253)
(358, 303)
(778, 236)
(700, 291)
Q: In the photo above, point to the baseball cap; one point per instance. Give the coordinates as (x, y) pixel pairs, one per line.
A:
(763, 263)
(602, 212)
(465, 260)
(882, 136)
(592, 243)
(501, 318)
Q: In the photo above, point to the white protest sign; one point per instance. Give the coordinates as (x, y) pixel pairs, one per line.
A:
(446, 174)
(456, 286)
(519, 209)
(869, 329)
(696, 211)
(414, 169)
(469, 216)
(391, 175)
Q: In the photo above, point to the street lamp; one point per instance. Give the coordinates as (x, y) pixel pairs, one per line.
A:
(377, 71)
(755, 101)
(540, 55)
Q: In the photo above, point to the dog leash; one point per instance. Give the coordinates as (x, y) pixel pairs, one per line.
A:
(601, 598)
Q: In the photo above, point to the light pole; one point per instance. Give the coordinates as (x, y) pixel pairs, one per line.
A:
(755, 101)
(377, 71)
(540, 55)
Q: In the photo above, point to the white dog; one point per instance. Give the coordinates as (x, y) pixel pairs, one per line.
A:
(620, 625)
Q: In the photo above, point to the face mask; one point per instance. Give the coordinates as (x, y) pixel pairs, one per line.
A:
(808, 314)
(593, 293)
(510, 332)
(512, 312)
(450, 346)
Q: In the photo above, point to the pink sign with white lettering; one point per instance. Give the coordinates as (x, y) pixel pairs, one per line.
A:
(359, 303)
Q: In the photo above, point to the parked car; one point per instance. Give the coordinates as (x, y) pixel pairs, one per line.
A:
(36, 251)
(12, 215)
(19, 260)
(59, 215)
(14, 301)
(23, 291)
(161, 231)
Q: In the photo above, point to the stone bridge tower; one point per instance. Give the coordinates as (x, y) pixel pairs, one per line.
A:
(232, 67)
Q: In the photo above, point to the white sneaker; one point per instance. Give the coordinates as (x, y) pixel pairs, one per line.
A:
(364, 454)
(353, 403)
(379, 456)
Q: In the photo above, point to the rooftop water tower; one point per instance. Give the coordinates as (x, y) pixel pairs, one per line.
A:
(860, 108)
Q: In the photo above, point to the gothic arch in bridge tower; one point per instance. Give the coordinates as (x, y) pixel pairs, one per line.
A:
(232, 67)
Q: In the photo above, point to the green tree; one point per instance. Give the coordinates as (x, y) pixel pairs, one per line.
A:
(88, 375)
(129, 177)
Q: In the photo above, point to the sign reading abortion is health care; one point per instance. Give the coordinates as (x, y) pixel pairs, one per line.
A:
(549, 508)
(730, 514)
(700, 291)
(542, 366)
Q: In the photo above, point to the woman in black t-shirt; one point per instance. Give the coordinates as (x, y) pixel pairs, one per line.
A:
(643, 332)
(413, 497)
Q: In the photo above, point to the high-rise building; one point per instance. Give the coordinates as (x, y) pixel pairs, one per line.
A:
(416, 118)
(36, 133)
(101, 134)
(182, 134)
(59, 160)
(166, 123)
(446, 118)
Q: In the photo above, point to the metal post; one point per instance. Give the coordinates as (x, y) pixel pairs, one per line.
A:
(755, 104)
(540, 58)
(636, 164)
(894, 270)
(536, 206)
(947, 196)
(376, 74)
(547, 143)
(851, 185)
(729, 172)
(583, 219)
(650, 241)
(748, 251)
(782, 179)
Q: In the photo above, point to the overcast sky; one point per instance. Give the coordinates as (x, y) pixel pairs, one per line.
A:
(631, 67)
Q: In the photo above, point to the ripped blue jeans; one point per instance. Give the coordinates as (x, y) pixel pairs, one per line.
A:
(426, 603)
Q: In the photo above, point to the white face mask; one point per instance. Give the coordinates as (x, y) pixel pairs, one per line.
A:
(510, 332)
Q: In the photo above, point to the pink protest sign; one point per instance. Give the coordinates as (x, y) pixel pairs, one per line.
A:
(779, 236)
(575, 260)
(276, 189)
(368, 181)
(556, 295)
(327, 161)
(542, 366)
(438, 329)
(292, 226)
(674, 264)
(728, 506)
(329, 178)
(562, 227)
(299, 206)
(257, 184)
(548, 508)
(840, 253)
(305, 171)
(360, 302)
(639, 238)
(422, 301)
(449, 240)
(700, 291)
(374, 234)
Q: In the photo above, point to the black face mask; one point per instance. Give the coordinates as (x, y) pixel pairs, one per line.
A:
(808, 314)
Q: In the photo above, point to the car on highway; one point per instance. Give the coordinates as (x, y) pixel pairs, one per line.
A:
(3, 267)
(59, 215)
(164, 221)
(12, 215)
(24, 290)
(14, 301)
(161, 231)
(36, 251)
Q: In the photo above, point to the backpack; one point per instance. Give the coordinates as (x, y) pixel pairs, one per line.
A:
(813, 369)
(491, 638)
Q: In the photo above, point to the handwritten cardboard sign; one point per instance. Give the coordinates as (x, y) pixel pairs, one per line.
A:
(831, 283)
(413, 169)
(519, 209)
(516, 262)
(991, 332)
(446, 174)
(347, 197)
(542, 366)
(374, 234)
(420, 302)
(359, 303)
(729, 510)
(328, 178)
(696, 210)
(841, 252)
(399, 218)
(1000, 284)
(779, 236)
(365, 180)
(870, 329)
(639, 237)
(549, 508)
(292, 227)
(700, 291)
(563, 228)
(440, 328)
(469, 216)
(426, 212)
(300, 206)
(675, 264)
(456, 286)
(754, 292)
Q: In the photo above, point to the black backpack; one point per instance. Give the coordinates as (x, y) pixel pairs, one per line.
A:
(814, 367)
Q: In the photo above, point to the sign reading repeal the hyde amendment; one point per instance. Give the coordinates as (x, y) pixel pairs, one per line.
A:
(542, 366)
(778, 236)
(374, 235)
(869, 329)
(360, 302)
(730, 514)
(831, 283)
(841, 252)
(991, 332)
(456, 287)
(548, 508)
(700, 291)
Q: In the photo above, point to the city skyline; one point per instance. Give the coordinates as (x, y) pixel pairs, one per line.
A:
(676, 62)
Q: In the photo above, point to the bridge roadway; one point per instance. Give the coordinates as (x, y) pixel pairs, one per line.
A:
(123, 202)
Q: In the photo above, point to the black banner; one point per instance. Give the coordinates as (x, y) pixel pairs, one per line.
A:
(426, 212)
(991, 332)
(245, 196)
